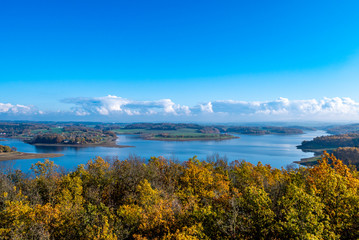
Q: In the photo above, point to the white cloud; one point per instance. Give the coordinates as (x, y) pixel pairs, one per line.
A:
(110, 105)
(8, 108)
(206, 107)
(327, 109)
(335, 108)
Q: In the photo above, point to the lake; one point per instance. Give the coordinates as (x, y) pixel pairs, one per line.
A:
(276, 150)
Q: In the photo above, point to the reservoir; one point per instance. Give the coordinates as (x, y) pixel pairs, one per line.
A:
(276, 150)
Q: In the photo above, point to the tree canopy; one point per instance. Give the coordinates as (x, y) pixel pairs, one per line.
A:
(162, 199)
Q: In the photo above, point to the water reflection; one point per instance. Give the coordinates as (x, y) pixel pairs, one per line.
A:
(55, 149)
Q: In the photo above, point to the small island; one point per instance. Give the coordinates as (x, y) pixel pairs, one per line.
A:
(63, 140)
(74, 136)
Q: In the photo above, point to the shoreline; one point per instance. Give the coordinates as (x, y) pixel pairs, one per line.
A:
(180, 139)
(189, 140)
(308, 161)
(312, 160)
(21, 155)
(110, 145)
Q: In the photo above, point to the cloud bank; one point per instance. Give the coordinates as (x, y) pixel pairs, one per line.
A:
(325, 109)
(337, 107)
(116, 105)
(113, 108)
(10, 109)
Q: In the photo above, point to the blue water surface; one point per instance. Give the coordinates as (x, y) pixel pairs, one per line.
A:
(276, 150)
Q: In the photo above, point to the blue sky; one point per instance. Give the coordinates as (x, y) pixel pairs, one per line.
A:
(53, 53)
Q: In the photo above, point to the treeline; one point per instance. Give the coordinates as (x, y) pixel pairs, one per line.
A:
(161, 199)
(27, 130)
(263, 130)
(211, 130)
(343, 129)
(74, 137)
(5, 149)
(332, 141)
(51, 138)
(349, 155)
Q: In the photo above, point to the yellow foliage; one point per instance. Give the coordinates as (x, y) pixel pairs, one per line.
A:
(103, 232)
(194, 232)
(157, 213)
(16, 217)
(197, 179)
(193, 200)
(130, 214)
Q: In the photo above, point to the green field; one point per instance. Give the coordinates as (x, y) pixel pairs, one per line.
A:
(57, 130)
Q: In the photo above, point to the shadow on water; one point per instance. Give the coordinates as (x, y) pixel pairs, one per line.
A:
(55, 149)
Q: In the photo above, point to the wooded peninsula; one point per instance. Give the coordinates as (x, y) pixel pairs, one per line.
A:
(344, 145)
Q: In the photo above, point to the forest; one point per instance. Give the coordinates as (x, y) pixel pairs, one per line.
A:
(349, 155)
(343, 129)
(74, 136)
(162, 199)
(332, 141)
(57, 133)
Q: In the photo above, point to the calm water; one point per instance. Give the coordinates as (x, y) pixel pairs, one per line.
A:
(272, 149)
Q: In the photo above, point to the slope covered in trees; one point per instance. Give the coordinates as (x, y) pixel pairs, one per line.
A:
(75, 137)
(160, 199)
(349, 155)
(343, 129)
(332, 141)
